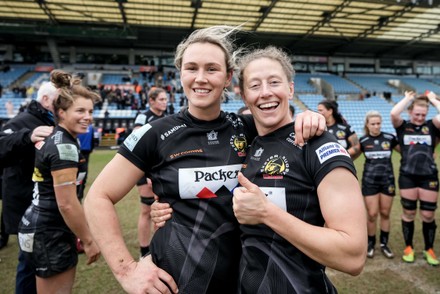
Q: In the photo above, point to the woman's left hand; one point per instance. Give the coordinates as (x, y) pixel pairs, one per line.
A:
(307, 125)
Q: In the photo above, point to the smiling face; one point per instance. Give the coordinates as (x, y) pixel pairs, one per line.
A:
(77, 117)
(267, 91)
(204, 76)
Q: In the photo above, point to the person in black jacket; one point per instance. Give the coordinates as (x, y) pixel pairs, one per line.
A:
(4, 237)
(17, 157)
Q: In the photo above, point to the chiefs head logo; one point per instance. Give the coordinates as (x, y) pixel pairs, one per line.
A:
(239, 143)
(385, 145)
(275, 167)
(340, 134)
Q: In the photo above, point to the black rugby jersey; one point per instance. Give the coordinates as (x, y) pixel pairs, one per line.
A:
(58, 151)
(342, 132)
(193, 166)
(417, 144)
(289, 175)
(147, 117)
(378, 167)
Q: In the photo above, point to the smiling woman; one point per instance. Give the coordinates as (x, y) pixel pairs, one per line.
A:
(48, 228)
(192, 158)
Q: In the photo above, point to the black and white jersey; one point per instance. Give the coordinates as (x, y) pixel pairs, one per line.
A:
(193, 166)
(378, 166)
(417, 144)
(147, 117)
(58, 151)
(342, 132)
(289, 175)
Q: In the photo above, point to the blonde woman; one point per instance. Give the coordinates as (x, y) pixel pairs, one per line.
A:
(378, 184)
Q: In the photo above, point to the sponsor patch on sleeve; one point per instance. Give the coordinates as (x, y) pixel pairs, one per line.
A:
(68, 152)
(330, 150)
(141, 119)
(135, 136)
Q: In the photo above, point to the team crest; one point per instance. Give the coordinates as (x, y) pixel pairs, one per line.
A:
(275, 167)
(37, 176)
(239, 144)
(425, 130)
(340, 134)
(433, 184)
(391, 189)
(385, 145)
(212, 138)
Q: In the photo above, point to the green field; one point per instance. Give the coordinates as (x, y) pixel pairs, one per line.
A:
(380, 275)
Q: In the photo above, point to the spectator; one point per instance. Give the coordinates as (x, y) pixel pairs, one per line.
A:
(4, 237)
(17, 157)
(87, 144)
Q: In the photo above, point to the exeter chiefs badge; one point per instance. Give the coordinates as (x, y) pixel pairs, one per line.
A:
(340, 134)
(275, 167)
(239, 144)
(385, 145)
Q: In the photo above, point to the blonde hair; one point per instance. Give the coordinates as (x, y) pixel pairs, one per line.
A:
(221, 36)
(370, 114)
(70, 89)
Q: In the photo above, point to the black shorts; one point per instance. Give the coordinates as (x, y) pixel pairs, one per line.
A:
(429, 182)
(373, 189)
(52, 251)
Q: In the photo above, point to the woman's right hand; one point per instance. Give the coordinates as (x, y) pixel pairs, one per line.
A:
(92, 251)
(160, 213)
(410, 95)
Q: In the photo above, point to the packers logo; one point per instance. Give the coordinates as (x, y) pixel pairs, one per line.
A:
(37, 176)
(385, 145)
(275, 167)
(340, 134)
(239, 144)
(425, 130)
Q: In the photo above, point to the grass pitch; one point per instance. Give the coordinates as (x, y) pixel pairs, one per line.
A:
(380, 275)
